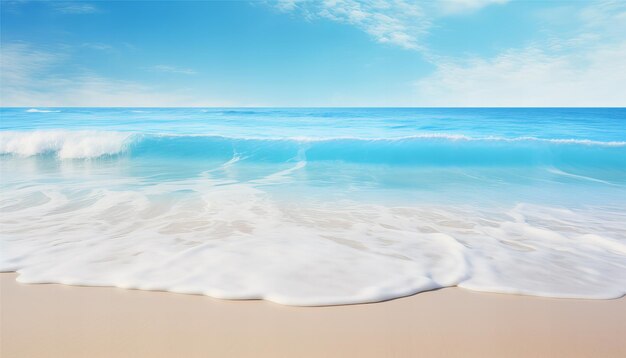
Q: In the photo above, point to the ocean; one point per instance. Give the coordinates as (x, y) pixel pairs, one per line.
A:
(316, 206)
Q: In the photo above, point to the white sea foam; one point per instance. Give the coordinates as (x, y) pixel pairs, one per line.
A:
(35, 110)
(237, 242)
(65, 144)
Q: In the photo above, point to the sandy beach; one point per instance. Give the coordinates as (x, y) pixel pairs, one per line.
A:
(63, 321)
(294, 179)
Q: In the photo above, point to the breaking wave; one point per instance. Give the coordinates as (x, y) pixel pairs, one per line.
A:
(425, 150)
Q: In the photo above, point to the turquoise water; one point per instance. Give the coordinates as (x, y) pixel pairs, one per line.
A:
(317, 206)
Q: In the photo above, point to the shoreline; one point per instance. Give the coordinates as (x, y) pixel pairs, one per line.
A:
(57, 320)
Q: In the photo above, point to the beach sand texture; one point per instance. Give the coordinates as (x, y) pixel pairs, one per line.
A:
(64, 321)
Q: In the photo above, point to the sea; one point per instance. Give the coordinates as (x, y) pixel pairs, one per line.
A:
(316, 206)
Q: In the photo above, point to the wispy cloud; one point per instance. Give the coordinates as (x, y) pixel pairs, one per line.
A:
(75, 7)
(585, 69)
(530, 77)
(460, 6)
(172, 69)
(608, 16)
(97, 46)
(398, 22)
(19, 63)
(30, 78)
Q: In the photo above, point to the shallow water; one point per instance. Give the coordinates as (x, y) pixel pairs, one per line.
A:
(316, 206)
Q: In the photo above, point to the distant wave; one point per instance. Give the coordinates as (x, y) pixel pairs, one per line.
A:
(451, 137)
(426, 136)
(35, 110)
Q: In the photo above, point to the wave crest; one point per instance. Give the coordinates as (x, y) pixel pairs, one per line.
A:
(65, 144)
(427, 149)
(35, 110)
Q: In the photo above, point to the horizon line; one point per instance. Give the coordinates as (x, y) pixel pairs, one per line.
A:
(329, 107)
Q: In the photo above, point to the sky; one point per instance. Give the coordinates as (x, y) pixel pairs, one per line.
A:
(331, 53)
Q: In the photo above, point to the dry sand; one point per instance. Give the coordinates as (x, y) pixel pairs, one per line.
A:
(64, 321)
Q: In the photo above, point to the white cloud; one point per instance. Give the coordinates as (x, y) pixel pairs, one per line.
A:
(97, 46)
(286, 5)
(588, 68)
(19, 63)
(30, 78)
(530, 77)
(458, 6)
(396, 22)
(601, 11)
(75, 7)
(172, 69)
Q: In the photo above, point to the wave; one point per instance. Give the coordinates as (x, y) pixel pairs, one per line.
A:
(64, 144)
(419, 150)
(35, 110)
(424, 136)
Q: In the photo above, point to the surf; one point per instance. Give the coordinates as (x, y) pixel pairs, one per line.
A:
(297, 207)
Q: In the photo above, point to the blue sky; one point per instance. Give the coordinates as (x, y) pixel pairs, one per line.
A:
(313, 53)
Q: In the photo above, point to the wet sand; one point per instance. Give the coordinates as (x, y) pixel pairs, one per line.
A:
(64, 321)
